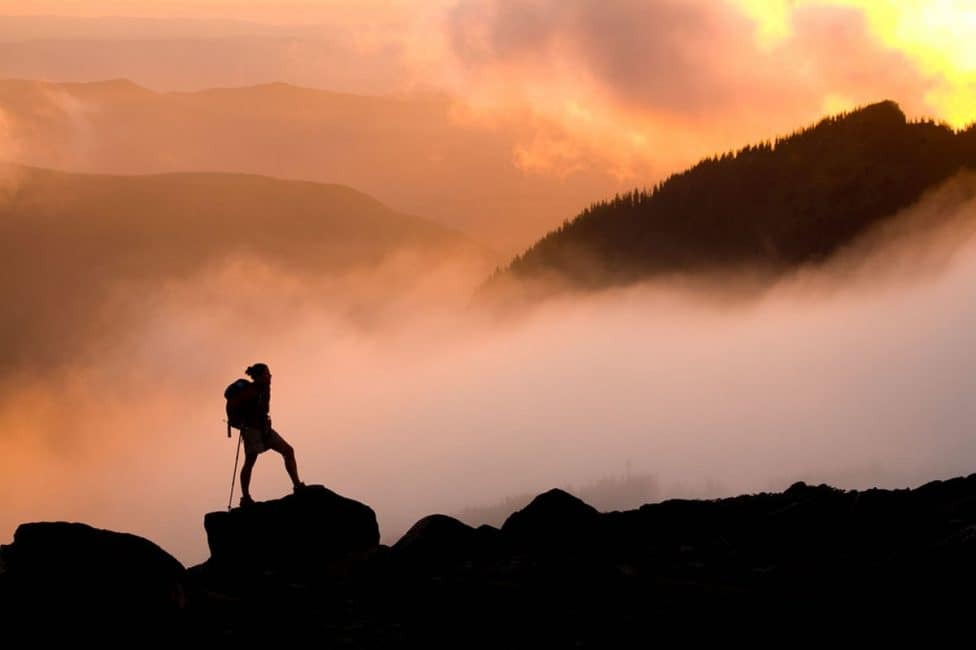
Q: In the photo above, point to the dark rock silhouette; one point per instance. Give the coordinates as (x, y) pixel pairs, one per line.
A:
(813, 560)
(440, 539)
(553, 519)
(90, 580)
(611, 492)
(433, 536)
(307, 530)
(553, 514)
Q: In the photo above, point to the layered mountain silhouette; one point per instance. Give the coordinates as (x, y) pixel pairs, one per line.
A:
(70, 240)
(810, 561)
(773, 206)
(413, 152)
(181, 53)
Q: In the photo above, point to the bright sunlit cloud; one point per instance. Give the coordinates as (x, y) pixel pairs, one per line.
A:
(640, 88)
(937, 36)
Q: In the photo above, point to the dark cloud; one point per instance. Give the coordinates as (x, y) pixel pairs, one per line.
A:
(684, 58)
(652, 53)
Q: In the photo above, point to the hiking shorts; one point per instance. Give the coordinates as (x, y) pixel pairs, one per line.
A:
(257, 440)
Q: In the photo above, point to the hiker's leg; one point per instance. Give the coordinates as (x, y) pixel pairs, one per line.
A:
(278, 443)
(249, 460)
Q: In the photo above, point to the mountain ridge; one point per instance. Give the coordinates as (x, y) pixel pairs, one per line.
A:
(79, 235)
(413, 151)
(775, 205)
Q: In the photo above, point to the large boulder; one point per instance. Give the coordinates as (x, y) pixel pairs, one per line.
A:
(438, 540)
(58, 568)
(554, 520)
(304, 531)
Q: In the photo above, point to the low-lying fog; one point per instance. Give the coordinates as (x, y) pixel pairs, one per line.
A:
(399, 390)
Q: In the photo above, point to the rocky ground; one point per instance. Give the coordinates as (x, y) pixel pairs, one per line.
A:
(810, 562)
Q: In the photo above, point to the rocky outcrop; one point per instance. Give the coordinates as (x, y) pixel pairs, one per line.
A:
(305, 531)
(63, 578)
(439, 540)
(553, 521)
(558, 573)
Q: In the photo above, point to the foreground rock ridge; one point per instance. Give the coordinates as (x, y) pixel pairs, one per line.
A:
(557, 573)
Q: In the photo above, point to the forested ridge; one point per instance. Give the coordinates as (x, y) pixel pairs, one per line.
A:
(777, 205)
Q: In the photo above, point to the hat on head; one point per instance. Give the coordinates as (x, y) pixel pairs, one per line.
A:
(256, 369)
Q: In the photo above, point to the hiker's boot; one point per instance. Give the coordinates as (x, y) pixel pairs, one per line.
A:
(246, 501)
(298, 487)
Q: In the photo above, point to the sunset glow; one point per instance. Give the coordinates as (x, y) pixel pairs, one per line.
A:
(552, 73)
(192, 186)
(937, 36)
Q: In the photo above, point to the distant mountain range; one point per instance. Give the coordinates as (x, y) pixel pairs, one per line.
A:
(772, 206)
(68, 239)
(177, 53)
(412, 152)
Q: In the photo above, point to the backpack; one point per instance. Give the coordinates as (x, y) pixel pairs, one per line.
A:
(235, 407)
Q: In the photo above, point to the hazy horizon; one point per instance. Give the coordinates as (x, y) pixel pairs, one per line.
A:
(545, 106)
(854, 374)
(129, 306)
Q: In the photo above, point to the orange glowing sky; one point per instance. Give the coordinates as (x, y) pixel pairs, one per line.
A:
(937, 36)
(421, 393)
(633, 90)
(641, 88)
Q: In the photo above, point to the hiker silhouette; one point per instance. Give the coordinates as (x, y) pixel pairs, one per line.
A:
(252, 406)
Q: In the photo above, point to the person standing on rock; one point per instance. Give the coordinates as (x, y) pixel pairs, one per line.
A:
(248, 409)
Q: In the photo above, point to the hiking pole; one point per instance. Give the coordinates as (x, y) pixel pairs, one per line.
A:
(233, 477)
